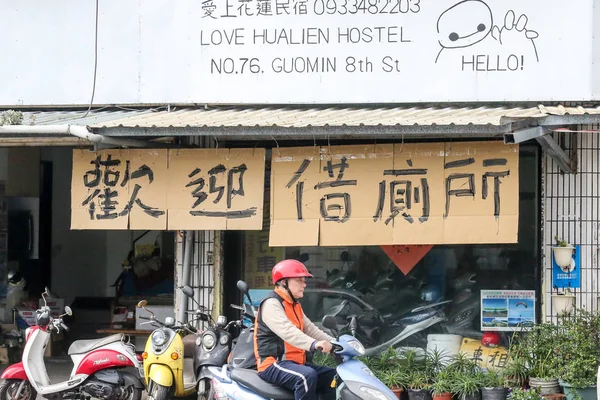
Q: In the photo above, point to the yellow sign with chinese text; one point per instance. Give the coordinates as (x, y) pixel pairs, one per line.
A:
(491, 358)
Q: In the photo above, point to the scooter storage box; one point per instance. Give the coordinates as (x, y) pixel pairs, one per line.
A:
(242, 355)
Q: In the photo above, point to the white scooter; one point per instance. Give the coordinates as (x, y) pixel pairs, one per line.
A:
(97, 370)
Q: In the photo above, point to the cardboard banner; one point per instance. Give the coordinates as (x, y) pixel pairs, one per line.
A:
(161, 189)
(216, 189)
(424, 193)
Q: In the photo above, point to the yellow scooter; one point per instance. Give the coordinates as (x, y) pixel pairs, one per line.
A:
(169, 359)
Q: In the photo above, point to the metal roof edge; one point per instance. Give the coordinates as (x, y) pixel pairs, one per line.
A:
(310, 131)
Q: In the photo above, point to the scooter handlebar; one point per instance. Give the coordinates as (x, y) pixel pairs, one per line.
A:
(63, 326)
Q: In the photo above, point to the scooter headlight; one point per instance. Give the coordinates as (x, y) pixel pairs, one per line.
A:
(224, 339)
(159, 338)
(372, 393)
(209, 340)
(356, 345)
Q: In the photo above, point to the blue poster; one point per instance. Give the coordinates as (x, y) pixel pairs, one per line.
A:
(568, 277)
(257, 296)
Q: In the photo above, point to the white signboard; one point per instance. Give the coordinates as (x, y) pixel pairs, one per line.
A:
(298, 51)
(507, 310)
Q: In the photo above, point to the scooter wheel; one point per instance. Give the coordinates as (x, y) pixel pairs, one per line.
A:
(209, 395)
(159, 392)
(135, 394)
(9, 388)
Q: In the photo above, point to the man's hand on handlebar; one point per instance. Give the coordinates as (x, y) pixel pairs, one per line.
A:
(324, 346)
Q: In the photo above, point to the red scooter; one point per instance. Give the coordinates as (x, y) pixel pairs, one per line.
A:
(97, 366)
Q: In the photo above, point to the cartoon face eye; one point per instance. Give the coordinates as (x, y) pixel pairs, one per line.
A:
(455, 33)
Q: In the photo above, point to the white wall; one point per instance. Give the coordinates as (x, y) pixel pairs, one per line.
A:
(154, 52)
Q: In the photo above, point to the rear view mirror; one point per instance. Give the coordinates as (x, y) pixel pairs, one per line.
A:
(68, 311)
(188, 291)
(243, 287)
(142, 304)
(47, 292)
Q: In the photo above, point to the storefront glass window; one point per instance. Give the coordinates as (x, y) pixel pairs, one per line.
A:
(429, 289)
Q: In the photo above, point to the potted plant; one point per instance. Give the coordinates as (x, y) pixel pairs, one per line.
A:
(418, 384)
(563, 253)
(579, 352)
(394, 380)
(515, 371)
(442, 386)
(563, 302)
(524, 394)
(493, 386)
(467, 386)
(538, 351)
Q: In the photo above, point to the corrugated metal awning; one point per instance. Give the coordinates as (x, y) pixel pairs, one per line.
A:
(310, 122)
(299, 117)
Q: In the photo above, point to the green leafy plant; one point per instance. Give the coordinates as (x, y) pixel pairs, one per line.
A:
(515, 370)
(11, 117)
(468, 384)
(560, 242)
(417, 379)
(393, 379)
(537, 350)
(524, 394)
(578, 349)
(443, 382)
(493, 379)
(323, 359)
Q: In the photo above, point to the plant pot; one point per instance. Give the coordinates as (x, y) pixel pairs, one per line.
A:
(474, 396)
(397, 391)
(514, 382)
(571, 393)
(494, 393)
(563, 256)
(442, 396)
(563, 303)
(419, 394)
(546, 386)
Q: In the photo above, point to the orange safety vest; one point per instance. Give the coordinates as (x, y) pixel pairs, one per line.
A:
(268, 347)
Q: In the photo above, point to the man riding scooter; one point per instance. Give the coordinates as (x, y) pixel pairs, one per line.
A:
(283, 335)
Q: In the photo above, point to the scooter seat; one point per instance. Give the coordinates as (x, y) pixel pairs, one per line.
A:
(83, 346)
(252, 381)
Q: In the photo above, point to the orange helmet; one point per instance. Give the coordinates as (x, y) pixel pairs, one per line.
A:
(289, 269)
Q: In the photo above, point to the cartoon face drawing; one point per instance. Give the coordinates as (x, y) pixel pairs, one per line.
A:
(464, 24)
